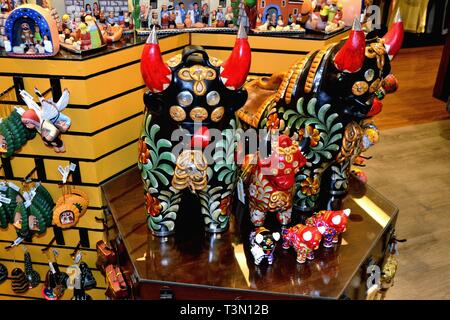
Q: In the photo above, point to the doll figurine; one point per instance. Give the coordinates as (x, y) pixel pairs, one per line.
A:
(143, 16)
(191, 14)
(229, 16)
(154, 20)
(182, 11)
(48, 46)
(262, 244)
(205, 14)
(179, 22)
(220, 18)
(272, 184)
(47, 120)
(172, 18)
(96, 40)
(197, 13)
(121, 19)
(128, 21)
(85, 37)
(111, 20)
(259, 20)
(280, 23)
(304, 240)
(164, 17)
(214, 18)
(334, 222)
(188, 21)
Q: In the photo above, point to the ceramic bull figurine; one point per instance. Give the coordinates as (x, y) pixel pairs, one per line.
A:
(190, 97)
(262, 244)
(325, 98)
(334, 222)
(304, 240)
(272, 183)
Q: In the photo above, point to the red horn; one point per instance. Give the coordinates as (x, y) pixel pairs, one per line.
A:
(350, 57)
(393, 39)
(157, 75)
(234, 71)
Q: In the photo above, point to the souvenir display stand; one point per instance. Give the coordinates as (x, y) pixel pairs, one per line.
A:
(106, 109)
(221, 266)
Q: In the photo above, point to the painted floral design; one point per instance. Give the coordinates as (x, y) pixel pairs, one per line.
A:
(310, 186)
(152, 205)
(144, 153)
(224, 204)
(273, 122)
(313, 134)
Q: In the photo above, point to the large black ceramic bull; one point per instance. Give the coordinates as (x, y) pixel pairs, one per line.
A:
(188, 97)
(326, 97)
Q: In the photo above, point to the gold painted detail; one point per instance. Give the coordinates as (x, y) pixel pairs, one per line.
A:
(375, 86)
(288, 152)
(216, 62)
(313, 69)
(359, 88)
(280, 200)
(217, 114)
(298, 71)
(352, 138)
(177, 113)
(198, 74)
(378, 51)
(174, 61)
(198, 114)
(190, 171)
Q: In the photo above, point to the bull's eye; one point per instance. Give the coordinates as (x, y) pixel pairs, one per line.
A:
(369, 74)
(213, 98)
(185, 98)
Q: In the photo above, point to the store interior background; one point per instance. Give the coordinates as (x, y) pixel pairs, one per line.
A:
(410, 164)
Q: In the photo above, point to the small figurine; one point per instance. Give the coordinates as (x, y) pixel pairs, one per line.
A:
(4, 6)
(172, 18)
(155, 21)
(179, 21)
(213, 18)
(290, 19)
(304, 240)
(259, 20)
(7, 44)
(197, 13)
(96, 11)
(111, 20)
(85, 37)
(272, 184)
(262, 244)
(191, 14)
(88, 9)
(280, 23)
(143, 16)
(48, 120)
(188, 21)
(205, 14)
(182, 11)
(121, 19)
(127, 21)
(220, 18)
(164, 17)
(334, 222)
(229, 16)
(273, 21)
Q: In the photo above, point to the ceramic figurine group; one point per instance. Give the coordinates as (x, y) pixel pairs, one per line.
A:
(321, 108)
(197, 15)
(30, 30)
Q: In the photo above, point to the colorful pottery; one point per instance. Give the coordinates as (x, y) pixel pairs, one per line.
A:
(262, 244)
(334, 222)
(272, 185)
(304, 240)
(322, 102)
(197, 94)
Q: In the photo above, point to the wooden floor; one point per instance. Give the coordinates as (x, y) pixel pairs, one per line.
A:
(411, 167)
(413, 103)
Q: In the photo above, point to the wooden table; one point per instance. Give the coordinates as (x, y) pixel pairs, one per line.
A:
(195, 265)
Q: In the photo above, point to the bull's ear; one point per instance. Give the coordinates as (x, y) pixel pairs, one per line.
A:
(321, 229)
(276, 236)
(259, 238)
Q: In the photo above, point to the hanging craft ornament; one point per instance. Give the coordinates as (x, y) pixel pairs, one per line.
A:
(87, 278)
(13, 134)
(33, 276)
(69, 208)
(55, 280)
(3, 273)
(48, 120)
(19, 281)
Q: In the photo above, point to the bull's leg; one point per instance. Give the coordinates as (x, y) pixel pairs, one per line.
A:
(310, 255)
(284, 217)
(302, 253)
(162, 206)
(286, 239)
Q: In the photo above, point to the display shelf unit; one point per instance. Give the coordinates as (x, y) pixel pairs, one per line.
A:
(106, 108)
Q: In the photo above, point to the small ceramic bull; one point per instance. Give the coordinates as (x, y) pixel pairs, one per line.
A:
(304, 240)
(262, 244)
(334, 222)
